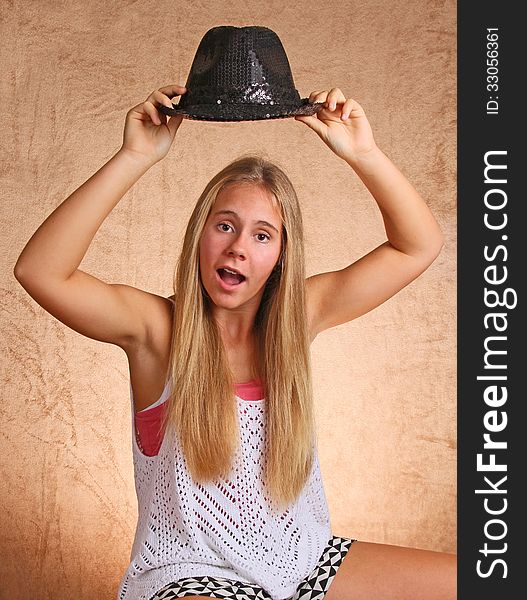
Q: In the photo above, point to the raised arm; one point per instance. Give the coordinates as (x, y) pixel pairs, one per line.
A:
(48, 269)
(414, 237)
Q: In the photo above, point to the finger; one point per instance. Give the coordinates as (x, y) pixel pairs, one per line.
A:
(318, 96)
(161, 98)
(153, 113)
(170, 91)
(346, 109)
(156, 99)
(312, 96)
(335, 96)
(163, 95)
(352, 109)
(173, 90)
(313, 123)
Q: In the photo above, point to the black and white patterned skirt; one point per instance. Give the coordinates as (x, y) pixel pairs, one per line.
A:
(314, 587)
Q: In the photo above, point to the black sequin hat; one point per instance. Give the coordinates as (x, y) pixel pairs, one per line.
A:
(240, 74)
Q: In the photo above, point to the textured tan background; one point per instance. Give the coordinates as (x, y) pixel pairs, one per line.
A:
(385, 384)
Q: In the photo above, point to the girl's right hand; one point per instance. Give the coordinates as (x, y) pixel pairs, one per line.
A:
(146, 132)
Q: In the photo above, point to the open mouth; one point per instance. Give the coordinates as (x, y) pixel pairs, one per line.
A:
(230, 280)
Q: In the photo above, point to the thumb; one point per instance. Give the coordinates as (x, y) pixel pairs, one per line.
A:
(313, 123)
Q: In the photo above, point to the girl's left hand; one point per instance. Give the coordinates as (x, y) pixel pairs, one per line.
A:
(341, 124)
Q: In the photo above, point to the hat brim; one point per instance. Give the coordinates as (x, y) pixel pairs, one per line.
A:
(243, 112)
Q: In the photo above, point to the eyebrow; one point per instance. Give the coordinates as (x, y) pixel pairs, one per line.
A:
(231, 212)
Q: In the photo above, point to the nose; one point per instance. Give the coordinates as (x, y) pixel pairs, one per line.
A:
(236, 248)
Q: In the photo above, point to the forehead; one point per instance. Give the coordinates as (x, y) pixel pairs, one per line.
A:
(248, 200)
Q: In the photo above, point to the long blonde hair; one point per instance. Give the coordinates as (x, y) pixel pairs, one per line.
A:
(202, 406)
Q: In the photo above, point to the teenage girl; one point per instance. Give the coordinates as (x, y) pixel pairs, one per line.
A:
(241, 304)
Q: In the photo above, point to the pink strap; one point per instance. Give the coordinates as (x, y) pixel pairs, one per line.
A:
(148, 422)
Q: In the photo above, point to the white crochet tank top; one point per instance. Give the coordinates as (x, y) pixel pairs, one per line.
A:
(227, 528)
